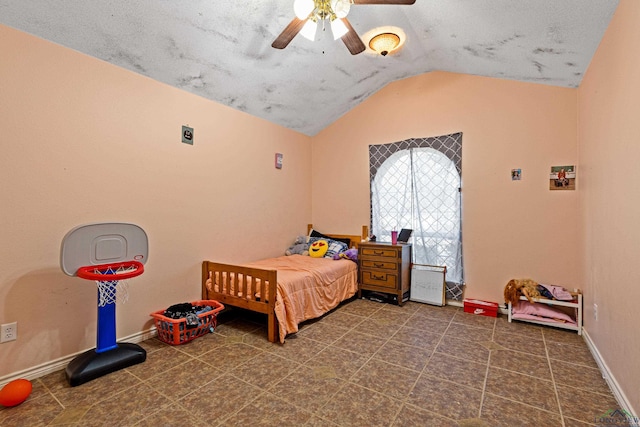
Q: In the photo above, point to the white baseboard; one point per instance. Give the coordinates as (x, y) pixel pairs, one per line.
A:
(608, 376)
(61, 363)
(454, 303)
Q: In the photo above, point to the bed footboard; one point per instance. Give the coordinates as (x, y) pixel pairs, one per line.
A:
(244, 287)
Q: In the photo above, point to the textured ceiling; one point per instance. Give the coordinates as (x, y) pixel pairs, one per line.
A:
(221, 49)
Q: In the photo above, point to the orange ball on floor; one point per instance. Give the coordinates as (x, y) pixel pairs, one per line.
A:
(15, 392)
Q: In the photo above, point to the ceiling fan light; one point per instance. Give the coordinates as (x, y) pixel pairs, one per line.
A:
(384, 43)
(309, 30)
(302, 8)
(341, 7)
(338, 28)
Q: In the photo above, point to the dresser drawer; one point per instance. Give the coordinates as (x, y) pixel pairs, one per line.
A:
(383, 264)
(380, 252)
(379, 278)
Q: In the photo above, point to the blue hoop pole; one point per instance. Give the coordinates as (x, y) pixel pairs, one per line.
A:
(106, 335)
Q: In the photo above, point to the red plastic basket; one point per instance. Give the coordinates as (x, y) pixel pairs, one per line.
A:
(175, 331)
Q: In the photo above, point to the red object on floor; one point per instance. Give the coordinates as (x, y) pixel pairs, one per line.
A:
(15, 392)
(483, 308)
(176, 332)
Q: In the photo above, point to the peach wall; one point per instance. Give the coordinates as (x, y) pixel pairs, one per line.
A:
(83, 142)
(512, 229)
(608, 133)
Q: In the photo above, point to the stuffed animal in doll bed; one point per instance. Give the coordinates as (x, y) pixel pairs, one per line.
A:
(515, 288)
(299, 247)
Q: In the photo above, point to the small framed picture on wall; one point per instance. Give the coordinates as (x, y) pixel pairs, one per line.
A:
(516, 174)
(562, 178)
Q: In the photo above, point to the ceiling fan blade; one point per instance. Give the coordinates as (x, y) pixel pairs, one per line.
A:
(384, 2)
(352, 40)
(288, 33)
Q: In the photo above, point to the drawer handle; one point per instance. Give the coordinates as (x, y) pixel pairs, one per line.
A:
(378, 252)
(375, 264)
(377, 277)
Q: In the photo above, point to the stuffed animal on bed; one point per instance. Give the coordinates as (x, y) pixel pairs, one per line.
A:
(318, 249)
(351, 254)
(299, 247)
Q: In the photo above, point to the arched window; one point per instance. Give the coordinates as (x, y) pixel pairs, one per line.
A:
(419, 188)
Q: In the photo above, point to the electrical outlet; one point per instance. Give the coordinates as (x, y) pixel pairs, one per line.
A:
(595, 311)
(9, 332)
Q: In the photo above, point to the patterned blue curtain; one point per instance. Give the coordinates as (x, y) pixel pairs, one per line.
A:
(415, 184)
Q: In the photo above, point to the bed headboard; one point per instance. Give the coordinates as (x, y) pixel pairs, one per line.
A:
(355, 239)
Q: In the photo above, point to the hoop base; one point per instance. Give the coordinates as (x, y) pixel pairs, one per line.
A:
(91, 365)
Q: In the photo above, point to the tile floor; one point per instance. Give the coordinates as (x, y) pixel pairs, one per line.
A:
(364, 364)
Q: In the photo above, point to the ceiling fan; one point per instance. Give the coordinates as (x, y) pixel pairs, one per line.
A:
(310, 12)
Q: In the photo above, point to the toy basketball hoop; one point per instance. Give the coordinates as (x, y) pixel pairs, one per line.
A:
(109, 254)
(111, 279)
(115, 272)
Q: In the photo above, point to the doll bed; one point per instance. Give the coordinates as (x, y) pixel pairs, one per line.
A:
(565, 314)
(305, 287)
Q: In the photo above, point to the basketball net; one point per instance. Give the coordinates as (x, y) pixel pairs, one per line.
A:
(112, 291)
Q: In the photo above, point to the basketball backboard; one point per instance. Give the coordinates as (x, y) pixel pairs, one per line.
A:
(102, 243)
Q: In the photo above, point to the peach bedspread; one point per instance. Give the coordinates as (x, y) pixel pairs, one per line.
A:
(308, 287)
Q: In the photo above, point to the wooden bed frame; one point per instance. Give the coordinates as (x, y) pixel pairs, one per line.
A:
(268, 280)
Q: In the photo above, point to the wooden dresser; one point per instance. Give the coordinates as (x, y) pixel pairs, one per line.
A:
(386, 268)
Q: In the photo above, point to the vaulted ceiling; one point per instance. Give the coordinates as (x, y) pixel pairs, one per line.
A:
(221, 49)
